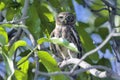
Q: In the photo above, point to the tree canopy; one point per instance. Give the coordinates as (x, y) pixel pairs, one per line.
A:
(25, 27)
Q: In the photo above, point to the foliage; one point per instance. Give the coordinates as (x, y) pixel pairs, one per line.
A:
(40, 23)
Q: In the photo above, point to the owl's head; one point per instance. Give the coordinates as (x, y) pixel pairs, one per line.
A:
(65, 18)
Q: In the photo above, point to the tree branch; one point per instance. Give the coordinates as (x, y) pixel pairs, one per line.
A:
(14, 21)
(86, 67)
(92, 69)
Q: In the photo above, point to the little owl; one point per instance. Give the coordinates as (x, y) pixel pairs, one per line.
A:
(65, 28)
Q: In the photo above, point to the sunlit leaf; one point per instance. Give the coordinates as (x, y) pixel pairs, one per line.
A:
(2, 5)
(22, 73)
(22, 60)
(24, 67)
(42, 40)
(65, 43)
(59, 41)
(50, 64)
(19, 75)
(15, 46)
(49, 16)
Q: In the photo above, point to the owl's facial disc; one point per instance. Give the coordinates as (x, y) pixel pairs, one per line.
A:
(65, 19)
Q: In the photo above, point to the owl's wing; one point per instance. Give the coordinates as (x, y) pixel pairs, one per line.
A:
(52, 46)
(76, 41)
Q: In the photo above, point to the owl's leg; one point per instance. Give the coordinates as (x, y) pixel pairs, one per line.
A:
(69, 53)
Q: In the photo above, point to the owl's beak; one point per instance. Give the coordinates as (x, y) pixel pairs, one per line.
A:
(65, 21)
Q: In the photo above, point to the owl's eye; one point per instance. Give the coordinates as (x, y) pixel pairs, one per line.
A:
(61, 17)
(70, 18)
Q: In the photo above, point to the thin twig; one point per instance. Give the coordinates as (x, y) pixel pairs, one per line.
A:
(94, 50)
(29, 54)
(16, 37)
(37, 67)
(14, 21)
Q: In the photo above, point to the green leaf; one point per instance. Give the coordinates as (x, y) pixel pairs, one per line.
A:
(42, 10)
(104, 62)
(22, 73)
(3, 36)
(22, 60)
(9, 66)
(103, 32)
(80, 1)
(98, 5)
(59, 41)
(49, 16)
(87, 43)
(19, 75)
(2, 5)
(15, 46)
(50, 64)
(55, 3)
(83, 76)
(100, 21)
(2, 40)
(24, 67)
(83, 25)
(10, 14)
(42, 40)
(65, 43)
(33, 22)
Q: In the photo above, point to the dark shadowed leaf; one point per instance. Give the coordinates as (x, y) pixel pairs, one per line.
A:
(80, 1)
(104, 62)
(87, 43)
(33, 22)
(103, 32)
(100, 21)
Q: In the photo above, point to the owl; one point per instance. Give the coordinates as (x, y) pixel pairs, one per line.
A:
(65, 28)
